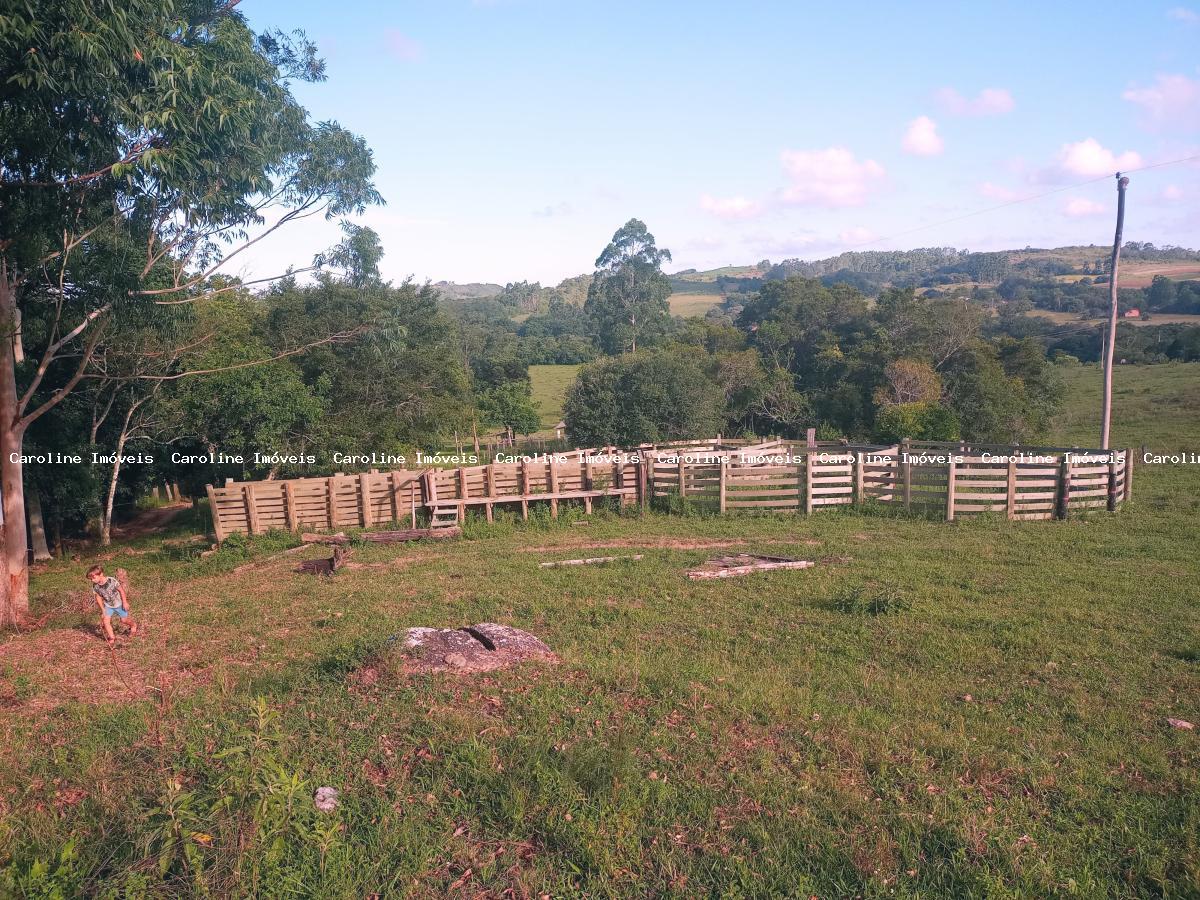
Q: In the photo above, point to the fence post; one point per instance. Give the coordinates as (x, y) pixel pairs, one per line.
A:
(490, 475)
(462, 493)
(1064, 485)
(218, 531)
(682, 477)
(950, 488)
(1010, 491)
(906, 473)
(330, 506)
(523, 481)
(808, 485)
(364, 494)
(1112, 481)
(251, 508)
(721, 486)
(858, 476)
(289, 501)
(412, 502)
(552, 483)
(394, 479)
(1129, 472)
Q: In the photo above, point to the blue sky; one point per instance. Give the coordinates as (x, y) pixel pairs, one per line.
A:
(514, 136)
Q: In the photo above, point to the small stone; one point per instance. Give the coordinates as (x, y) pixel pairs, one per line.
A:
(1181, 723)
(326, 799)
(966, 698)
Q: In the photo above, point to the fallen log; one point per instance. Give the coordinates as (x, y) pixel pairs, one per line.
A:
(744, 564)
(586, 562)
(339, 538)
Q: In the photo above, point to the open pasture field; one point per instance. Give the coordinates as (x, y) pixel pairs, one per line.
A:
(1136, 273)
(1063, 318)
(549, 384)
(693, 304)
(934, 709)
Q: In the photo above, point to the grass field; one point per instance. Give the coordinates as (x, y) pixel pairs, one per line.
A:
(1062, 318)
(973, 709)
(691, 304)
(550, 385)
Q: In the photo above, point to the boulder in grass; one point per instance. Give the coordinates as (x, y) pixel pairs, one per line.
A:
(466, 651)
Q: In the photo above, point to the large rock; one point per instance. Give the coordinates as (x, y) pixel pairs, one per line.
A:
(475, 648)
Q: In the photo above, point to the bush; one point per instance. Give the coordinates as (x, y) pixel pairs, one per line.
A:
(649, 396)
(923, 421)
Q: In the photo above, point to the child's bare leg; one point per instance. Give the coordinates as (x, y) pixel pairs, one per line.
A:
(133, 626)
(107, 626)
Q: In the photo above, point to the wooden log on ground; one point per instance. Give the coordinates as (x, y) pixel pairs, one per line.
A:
(339, 538)
(411, 534)
(587, 562)
(744, 564)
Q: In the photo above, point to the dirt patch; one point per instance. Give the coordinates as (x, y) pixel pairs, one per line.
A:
(659, 544)
(149, 521)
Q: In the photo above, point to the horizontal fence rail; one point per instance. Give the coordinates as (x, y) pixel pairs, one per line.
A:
(941, 478)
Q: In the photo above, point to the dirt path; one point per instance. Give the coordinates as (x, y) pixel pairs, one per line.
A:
(149, 521)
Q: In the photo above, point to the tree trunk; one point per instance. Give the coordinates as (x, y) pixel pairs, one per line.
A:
(37, 527)
(106, 517)
(14, 585)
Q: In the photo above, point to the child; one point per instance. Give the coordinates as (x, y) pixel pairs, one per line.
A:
(112, 600)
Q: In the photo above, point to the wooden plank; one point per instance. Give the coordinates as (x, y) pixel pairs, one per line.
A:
(218, 531)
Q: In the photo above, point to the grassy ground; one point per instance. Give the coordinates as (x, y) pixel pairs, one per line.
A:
(550, 385)
(969, 709)
(1155, 318)
(692, 304)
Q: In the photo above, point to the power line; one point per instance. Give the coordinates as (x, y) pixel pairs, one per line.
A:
(1020, 200)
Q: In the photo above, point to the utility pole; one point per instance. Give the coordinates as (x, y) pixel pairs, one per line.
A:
(1111, 343)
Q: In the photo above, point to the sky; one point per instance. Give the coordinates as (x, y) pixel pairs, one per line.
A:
(513, 137)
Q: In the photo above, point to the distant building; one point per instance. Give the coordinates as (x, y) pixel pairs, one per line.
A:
(559, 430)
(1133, 313)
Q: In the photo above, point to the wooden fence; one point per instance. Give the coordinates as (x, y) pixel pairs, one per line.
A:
(946, 479)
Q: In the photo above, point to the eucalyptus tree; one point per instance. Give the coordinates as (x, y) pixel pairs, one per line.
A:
(627, 298)
(166, 128)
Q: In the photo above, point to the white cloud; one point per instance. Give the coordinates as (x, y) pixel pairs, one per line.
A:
(1183, 14)
(1171, 193)
(1173, 101)
(1089, 159)
(828, 178)
(402, 47)
(921, 138)
(998, 191)
(988, 102)
(737, 207)
(1081, 207)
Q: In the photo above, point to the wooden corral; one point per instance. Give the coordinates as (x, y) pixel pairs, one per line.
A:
(948, 478)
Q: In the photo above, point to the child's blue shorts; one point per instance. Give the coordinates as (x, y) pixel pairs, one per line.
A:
(116, 611)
